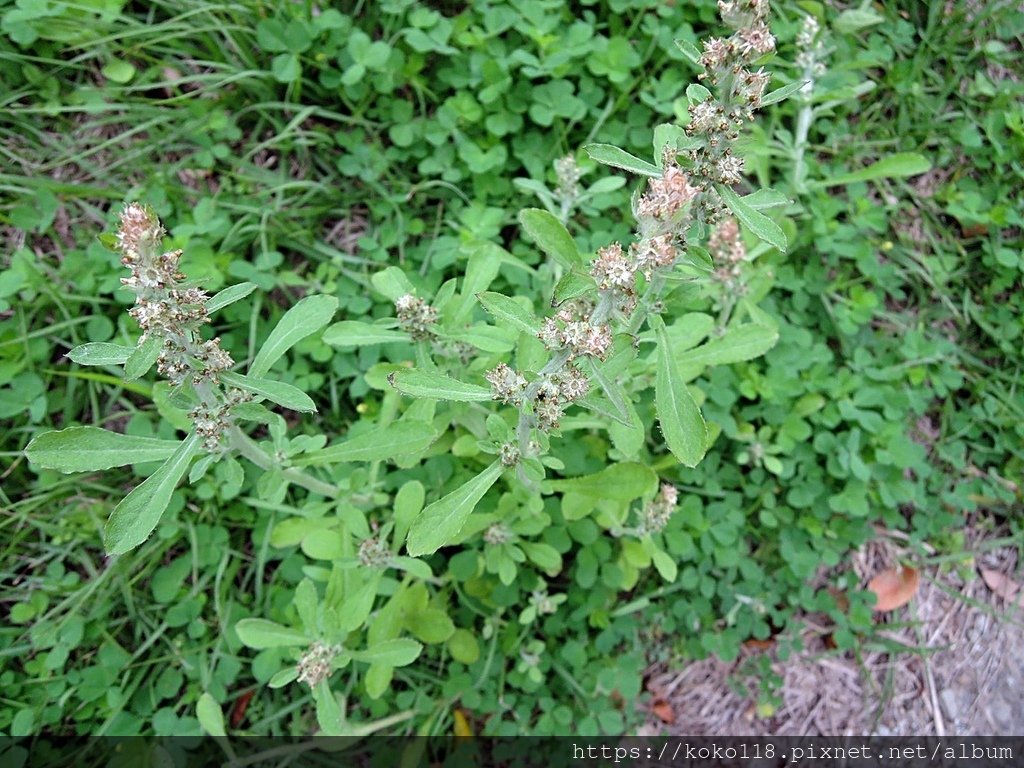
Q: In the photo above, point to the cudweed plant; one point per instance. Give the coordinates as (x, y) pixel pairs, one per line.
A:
(513, 389)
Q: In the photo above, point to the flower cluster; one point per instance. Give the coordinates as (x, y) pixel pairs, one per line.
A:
(667, 196)
(726, 63)
(548, 396)
(568, 174)
(573, 329)
(167, 310)
(416, 317)
(315, 664)
(374, 554)
(727, 252)
(163, 307)
(811, 54)
(656, 513)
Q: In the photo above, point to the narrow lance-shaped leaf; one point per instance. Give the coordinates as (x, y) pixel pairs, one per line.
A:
(509, 312)
(436, 386)
(440, 523)
(551, 236)
(229, 295)
(100, 353)
(681, 422)
(134, 519)
(782, 93)
(354, 333)
(142, 357)
(606, 154)
(398, 439)
(89, 449)
(395, 653)
(261, 633)
(896, 166)
(274, 391)
(307, 317)
(756, 222)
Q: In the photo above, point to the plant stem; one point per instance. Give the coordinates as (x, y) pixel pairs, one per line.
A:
(246, 446)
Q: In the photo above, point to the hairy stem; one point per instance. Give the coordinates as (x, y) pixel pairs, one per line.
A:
(248, 447)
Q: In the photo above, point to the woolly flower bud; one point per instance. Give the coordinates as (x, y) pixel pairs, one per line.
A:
(704, 116)
(572, 384)
(656, 513)
(756, 40)
(725, 243)
(139, 230)
(716, 53)
(729, 169)
(568, 174)
(416, 317)
(611, 269)
(668, 195)
(509, 454)
(548, 413)
(315, 664)
(653, 253)
(498, 534)
(508, 384)
(210, 424)
(808, 32)
(752, 86)
(373, 553)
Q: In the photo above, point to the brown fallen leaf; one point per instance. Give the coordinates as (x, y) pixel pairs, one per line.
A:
(1003, 586)
(894, 587)
(755, 644)
(663, 711)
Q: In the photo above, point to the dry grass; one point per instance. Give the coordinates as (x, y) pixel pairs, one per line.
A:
(961, 674)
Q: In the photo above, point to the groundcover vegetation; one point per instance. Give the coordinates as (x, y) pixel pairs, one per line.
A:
(512, 347)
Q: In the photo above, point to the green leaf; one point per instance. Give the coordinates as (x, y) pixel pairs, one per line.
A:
(436, 386)
(689, 50)
(756, 222)
(740, 342)
(893, 167)
(855, 19)
(307, 317)
(440, 523)
(329, 715)
(393, 653)
(398, 439)
(274, 391)
(572, 285)
(619, 482)
(408, 504)
(606, 154)
(100, 353)
(229, 295)
(766, 198)
(354, 333)
(134, 519)
(210, 716)
(88, 449)
(142, 357)
(392, 282)
(784, 92)
(463, 647)
(551, 236)
(681, 422)
(507, 311)
(119, 71)
(665, 565)
(260, 634)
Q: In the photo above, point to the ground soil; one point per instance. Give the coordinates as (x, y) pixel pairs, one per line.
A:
(964, 677)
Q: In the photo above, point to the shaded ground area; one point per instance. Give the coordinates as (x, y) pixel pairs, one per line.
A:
(963, 676)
